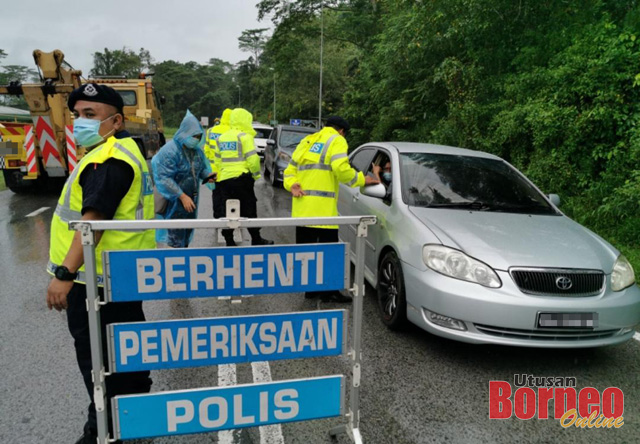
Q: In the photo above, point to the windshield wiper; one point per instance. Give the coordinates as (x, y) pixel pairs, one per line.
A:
(477, 205)
(524, 208)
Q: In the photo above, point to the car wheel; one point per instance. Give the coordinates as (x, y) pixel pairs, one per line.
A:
(391, 293)
(274, 178)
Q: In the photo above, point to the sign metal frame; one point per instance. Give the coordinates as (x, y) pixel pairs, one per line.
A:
(88, 231)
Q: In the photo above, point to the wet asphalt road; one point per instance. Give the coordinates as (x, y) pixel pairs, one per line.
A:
(416, 388)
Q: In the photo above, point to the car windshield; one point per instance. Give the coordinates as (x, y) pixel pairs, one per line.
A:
(290, 139)
(467, 182)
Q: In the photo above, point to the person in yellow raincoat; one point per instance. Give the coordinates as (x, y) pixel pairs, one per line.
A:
(238, 166)
(210, 150)
(318, 165)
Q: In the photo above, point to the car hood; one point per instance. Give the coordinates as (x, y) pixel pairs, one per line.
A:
(504, 240)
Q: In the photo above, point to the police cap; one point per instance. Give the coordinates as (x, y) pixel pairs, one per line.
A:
(93, 92)
(338, 122)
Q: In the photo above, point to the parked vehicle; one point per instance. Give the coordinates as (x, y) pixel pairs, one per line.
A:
(467, 248)
(280, 148)
(31, 154)
(263, 133)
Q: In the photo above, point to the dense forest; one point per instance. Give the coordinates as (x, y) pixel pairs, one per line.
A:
(552, 86)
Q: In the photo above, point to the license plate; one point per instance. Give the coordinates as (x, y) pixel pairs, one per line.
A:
(568, 320)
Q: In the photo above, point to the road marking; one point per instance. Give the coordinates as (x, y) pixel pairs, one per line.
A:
(271, 434)
(226, 376)
(636, 336)
(35, 213)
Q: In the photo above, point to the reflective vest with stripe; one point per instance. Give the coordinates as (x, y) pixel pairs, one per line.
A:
(319, 164)
(137, 204)
(211, 147)
(233, 155)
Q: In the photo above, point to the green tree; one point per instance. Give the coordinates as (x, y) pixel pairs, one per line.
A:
(253, 41)
(120, 62)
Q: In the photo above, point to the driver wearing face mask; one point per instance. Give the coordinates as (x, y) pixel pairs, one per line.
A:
(383, 174)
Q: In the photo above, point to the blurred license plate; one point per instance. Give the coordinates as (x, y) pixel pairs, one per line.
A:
(568, 320)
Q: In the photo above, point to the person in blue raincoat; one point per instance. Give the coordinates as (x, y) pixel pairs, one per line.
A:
(178, 170)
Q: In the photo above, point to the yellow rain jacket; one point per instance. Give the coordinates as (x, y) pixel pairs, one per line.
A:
(236, 153)
(319, 164)
(211, 146)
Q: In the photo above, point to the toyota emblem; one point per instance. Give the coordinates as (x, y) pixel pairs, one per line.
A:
(563, 283)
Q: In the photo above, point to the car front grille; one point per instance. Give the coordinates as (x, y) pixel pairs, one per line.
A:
(546, 334)
(558, 282)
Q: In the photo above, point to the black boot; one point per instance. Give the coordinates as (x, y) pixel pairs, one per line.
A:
(228, 237)
(261, 241)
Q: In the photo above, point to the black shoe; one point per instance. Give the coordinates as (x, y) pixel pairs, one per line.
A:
(335, 296)
(88, 437)
(231, 243)
(311, 295)
(261, 241)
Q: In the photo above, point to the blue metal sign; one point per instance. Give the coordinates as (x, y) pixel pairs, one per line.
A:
(221, 408)
(140, 346)
(176, 273)
(295, 122)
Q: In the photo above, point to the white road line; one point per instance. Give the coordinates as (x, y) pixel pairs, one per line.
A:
(636, 336)
(38, 211)
(271, 434)
(226, 376)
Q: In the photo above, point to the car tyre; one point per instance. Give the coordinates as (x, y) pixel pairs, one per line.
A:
(391, 293)
(275, 183)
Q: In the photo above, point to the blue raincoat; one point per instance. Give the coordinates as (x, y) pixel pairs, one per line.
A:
(179, 169)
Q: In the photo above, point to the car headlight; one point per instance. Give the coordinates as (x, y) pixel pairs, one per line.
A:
(622, 275)
(284, 156)
(456, 264)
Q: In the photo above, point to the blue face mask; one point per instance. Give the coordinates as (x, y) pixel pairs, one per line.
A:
(87, 131)
(193, 142)
(386, 176)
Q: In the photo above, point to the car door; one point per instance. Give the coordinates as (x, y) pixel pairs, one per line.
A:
(269, 152)
(360, 160)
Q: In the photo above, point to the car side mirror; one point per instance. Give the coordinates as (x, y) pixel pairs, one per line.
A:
(377, 190)
(555, 199)
(271, 142)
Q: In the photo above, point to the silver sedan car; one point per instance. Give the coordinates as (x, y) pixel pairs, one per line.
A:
(467, 248)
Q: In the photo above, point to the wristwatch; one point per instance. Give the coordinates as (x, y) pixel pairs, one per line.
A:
(62, 273)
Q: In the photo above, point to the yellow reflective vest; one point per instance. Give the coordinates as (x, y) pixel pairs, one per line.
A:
(137, 204)
(236, 155)
(211, 144)
(319, 164)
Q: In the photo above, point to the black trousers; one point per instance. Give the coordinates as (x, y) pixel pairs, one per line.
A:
(78, 320)
(219, 209)
(240, 188)
(309, 235)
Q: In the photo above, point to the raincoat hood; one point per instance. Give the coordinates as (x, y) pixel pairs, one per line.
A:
(188, 128)
(241, 120)
(225, 120)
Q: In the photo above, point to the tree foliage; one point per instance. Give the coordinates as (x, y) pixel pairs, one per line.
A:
(15, 73)
(120, 62)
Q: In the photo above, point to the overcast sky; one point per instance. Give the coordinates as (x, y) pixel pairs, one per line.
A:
(181, 30)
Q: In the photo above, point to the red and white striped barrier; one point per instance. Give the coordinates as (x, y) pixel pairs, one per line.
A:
(72, 157)
(30, 148)
(47, 140)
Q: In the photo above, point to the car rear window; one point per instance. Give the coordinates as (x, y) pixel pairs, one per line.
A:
(467, 182)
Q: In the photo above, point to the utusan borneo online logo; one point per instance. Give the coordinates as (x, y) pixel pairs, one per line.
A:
(555, 397)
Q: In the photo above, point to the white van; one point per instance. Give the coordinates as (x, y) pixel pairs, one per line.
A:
(263, 133)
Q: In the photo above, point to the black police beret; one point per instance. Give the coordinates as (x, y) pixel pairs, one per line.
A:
(339, 122)
(92, 92)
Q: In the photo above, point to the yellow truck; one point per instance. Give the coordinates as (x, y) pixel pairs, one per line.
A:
(34, 152)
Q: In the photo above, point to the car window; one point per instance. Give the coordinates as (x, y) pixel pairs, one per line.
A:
(290, 139)
(361, 160)
(262, 133)
(129, 98)
(467, 182)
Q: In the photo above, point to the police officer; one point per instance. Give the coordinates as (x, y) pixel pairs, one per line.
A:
(318, 164)
(211, 150)
(110, 182)
(238, 167)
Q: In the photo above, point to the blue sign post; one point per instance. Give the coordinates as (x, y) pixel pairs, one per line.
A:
(295, 122)
(221, 408)
(211, 272)
(138, 346)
